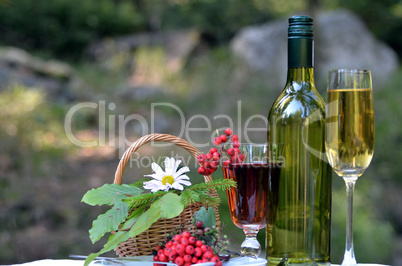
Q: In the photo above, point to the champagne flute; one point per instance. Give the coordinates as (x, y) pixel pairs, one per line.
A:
(349, 139)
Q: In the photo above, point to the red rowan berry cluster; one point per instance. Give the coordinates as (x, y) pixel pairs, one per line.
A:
(211, 160)
(185, 249)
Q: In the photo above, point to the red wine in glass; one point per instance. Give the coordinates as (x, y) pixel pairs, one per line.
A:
(248, 202)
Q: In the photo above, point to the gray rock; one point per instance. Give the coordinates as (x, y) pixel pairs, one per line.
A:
(56, 78)
(341, 41)
(177, 46)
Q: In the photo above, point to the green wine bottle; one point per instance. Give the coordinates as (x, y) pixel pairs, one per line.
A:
(299, 214)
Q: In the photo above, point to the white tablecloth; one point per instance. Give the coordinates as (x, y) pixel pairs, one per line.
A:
(233, 262)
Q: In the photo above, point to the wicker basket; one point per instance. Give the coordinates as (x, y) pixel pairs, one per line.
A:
(144, 243)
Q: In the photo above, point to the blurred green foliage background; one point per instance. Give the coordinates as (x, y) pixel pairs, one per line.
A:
(43, 176)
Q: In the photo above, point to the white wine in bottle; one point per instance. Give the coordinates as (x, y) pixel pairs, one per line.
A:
(299, 208)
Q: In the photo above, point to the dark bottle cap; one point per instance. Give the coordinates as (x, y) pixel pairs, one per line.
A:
(300, 26)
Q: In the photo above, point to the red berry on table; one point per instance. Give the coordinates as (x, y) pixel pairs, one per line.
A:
(177, 237)
(172, 257)
(213, 150)
(179, 261)
(231, 152)
(217, 141)
(198, 243)
(191, 240)
(235, 137)
(223, 138)
(208, 254)
(215, 259)
(187, 258)
(184, 241)
(160, 252)
(156, 258)
(162, 257)
(180, 248)
(204, 248)
(228, 132)
(197, 252)
(186, 234)
(201, 158)
(166, 252)
(190, 249)
(194, 260)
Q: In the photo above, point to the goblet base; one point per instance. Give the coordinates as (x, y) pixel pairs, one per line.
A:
(250, 246)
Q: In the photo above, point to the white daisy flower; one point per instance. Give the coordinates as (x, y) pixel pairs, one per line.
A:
(164, 180)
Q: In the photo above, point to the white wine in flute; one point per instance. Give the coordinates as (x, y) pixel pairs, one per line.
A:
(350, 130)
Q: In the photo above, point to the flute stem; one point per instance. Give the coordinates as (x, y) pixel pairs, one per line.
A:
(349, 257)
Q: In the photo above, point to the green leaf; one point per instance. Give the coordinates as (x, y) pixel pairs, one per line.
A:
(145, 221)
(109, 221)
(109, 193)
(207, 217)
(170, 205)
(120, 236)
(112, 243)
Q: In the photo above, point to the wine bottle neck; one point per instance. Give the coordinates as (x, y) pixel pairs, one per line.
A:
(300, 62)
(300, 79)
(300, 52)
(300, 74)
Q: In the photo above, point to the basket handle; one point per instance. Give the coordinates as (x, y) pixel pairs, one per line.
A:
(118, 177)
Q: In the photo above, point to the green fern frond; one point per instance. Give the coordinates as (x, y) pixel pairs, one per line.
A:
(194, 196)
(200, 192)
(144, 199)
(215, 184)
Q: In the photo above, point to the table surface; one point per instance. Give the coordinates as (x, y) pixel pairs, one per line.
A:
(68, 262)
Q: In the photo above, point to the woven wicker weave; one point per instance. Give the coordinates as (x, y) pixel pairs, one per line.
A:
(144, 243)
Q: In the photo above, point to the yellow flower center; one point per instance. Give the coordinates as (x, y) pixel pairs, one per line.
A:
(167, 179)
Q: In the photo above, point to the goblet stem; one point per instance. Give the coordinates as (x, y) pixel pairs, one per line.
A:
(250, 246)
(349, 257)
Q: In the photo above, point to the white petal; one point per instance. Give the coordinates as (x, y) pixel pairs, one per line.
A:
(155, 176)
(177, 186)
(154, 185)
(168, 165)
(176, 165)
(167, 187)
(153, 182)
(157, 169)
(182, 177)
(187, 183)
(181, 171)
